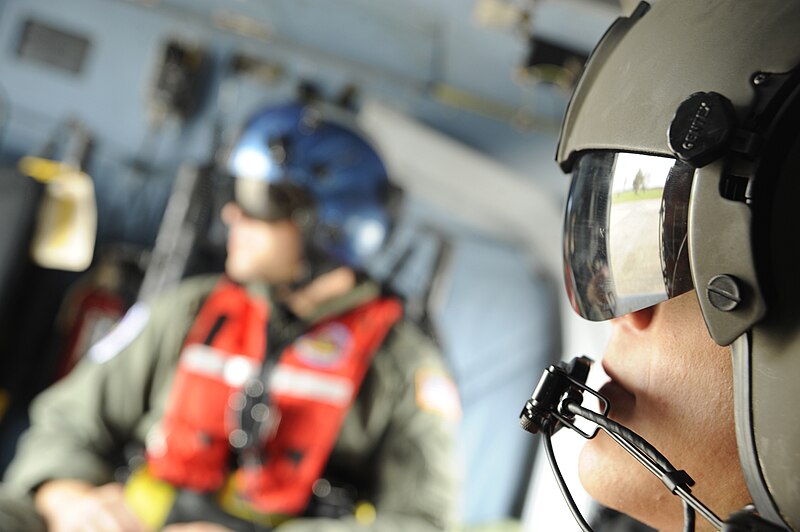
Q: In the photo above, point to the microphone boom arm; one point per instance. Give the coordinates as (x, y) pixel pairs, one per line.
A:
(557, 400)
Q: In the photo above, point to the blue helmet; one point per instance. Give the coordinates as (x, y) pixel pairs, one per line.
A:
(293, 161)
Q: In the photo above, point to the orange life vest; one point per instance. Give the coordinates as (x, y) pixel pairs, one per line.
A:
(313, 386)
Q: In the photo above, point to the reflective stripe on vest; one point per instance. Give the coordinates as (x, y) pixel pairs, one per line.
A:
(313, 387)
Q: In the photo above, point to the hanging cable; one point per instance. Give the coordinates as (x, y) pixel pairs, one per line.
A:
(562, 484)
(688, 517)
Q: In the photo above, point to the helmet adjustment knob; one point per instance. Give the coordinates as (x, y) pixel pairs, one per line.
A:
(701, 128)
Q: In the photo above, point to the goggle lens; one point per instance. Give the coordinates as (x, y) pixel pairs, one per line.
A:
(625, 233)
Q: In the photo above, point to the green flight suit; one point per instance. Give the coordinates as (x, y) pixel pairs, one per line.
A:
(114, 398)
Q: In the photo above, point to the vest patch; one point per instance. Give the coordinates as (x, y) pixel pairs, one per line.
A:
(437, 393)
(324, 347)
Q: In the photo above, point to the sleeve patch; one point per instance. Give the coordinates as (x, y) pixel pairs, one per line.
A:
(121, 336)
(437, 393)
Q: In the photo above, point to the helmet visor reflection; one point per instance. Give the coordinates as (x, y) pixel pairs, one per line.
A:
(625, 233)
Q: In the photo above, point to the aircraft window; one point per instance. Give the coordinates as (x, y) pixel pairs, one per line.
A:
(52, 46)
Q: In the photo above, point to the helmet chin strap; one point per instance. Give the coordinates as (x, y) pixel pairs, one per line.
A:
(315, 263)
(745, 439)
(556, 402)
(305, 300)
(311, 270)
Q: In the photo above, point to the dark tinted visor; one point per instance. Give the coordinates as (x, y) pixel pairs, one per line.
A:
(263, 200)
(625, 232)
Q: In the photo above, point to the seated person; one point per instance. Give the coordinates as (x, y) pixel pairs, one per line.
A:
(356, 425)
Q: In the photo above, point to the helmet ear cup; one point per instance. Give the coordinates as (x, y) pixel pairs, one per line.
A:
(766, 377)
(776, 191)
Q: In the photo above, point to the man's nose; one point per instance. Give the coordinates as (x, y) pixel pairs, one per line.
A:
(231, 213)
(638, 320)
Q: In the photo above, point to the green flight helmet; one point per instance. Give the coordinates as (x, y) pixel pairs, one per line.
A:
(683, 141)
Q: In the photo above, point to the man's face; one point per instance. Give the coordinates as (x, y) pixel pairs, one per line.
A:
(673, 386)
(262, 251)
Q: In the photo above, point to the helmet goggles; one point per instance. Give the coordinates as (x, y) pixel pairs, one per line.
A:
(625, 232)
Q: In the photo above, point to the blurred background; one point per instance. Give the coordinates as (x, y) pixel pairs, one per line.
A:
(114, 115)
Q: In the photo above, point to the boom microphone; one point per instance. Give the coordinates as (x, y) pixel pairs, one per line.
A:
(555, 403)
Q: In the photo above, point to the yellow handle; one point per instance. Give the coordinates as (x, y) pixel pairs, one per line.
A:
(43, 170)
(150, 498)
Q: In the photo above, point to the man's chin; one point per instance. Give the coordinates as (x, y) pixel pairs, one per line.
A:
(238, 273)
(233, 274)
(616, 480)
(599, 466)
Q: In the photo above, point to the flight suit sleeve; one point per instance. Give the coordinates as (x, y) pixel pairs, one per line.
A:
(417, 478)
(80, 425)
